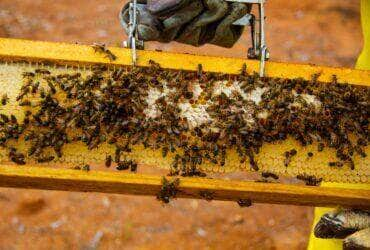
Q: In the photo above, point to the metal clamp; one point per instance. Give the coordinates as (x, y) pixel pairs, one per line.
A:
(259, 49)
(133, 41)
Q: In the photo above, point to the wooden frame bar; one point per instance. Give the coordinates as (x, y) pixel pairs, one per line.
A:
(73, 54)
(137, 184)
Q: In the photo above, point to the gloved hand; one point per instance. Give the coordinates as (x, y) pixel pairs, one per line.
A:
(351, 225)
(194, 22)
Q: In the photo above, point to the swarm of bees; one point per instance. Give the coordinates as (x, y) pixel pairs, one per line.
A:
(110, 107)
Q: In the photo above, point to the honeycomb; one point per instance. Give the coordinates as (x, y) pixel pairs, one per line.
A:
(270, 158)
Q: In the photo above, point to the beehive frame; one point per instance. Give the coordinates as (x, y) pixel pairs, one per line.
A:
(81, 56)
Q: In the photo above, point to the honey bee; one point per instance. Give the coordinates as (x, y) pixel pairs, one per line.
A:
(4, 99)
(45, 159)
(310, 180)
(207, 195)
(108, 161)
(169, 189)
(269, 175)
(101, 48)
(86, 167)
(288, 156)
(17, 158)
(42, 71)
(244, 202)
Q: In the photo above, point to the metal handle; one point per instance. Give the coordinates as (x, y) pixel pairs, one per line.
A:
(259, 49)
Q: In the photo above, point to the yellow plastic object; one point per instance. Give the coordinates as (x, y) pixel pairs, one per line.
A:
(329, 244)
(363, 62)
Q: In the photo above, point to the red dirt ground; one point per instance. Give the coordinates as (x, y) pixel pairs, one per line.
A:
(311, 31)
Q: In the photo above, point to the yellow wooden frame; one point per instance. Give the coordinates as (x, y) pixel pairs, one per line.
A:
(94, 181)
(138, 184)
(74, 54)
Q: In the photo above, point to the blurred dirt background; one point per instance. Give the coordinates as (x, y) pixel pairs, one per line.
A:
(308, 31)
